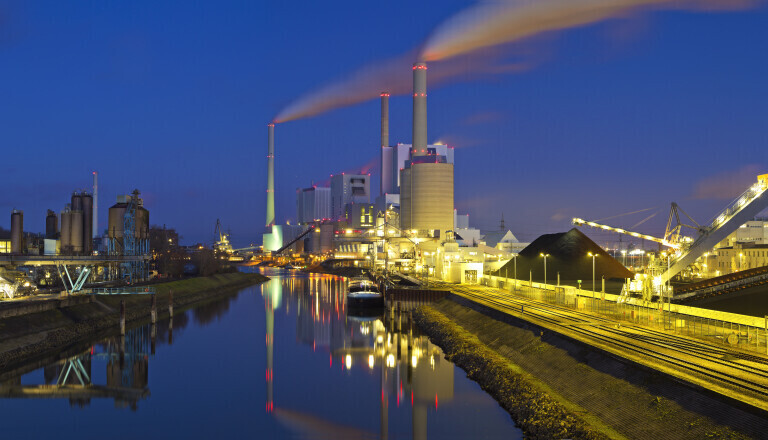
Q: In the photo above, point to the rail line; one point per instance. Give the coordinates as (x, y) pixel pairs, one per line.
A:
(653, 347)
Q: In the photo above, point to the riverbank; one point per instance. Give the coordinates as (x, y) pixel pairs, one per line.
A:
(32, 336)
(555, 387)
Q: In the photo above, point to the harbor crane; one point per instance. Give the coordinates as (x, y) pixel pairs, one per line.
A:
(685, 250)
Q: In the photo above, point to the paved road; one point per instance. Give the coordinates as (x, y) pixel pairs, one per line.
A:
(732, 373)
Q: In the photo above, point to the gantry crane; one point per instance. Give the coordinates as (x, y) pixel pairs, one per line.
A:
(686, 250)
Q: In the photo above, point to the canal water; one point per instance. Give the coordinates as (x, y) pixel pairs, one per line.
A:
(284, 359)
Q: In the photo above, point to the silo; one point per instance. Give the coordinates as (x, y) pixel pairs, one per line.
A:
(142, 223)
(17, 230)
(77, 231)
(115, 224)
(51, 225)
(87, 201)
(77, 202)
(66, 231)
(431, 196)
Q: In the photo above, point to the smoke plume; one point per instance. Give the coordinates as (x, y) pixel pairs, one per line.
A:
(492, 23)
(394, 77)
(469, 44)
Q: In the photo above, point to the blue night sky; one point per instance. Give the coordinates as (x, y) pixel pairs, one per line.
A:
(173, 98)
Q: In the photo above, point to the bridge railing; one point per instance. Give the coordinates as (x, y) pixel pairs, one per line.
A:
(142, 290)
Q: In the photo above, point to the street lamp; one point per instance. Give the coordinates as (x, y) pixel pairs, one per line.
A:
(593, 273)
(515, 274)
(545, 268)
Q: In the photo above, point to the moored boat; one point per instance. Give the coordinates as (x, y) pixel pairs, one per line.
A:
(362, 292)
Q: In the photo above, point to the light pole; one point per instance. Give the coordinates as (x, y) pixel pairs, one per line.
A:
(593, 274)
(545, 268)
(515, 274)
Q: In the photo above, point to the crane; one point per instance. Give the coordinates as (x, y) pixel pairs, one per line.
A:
(685, 250)
(663, 241)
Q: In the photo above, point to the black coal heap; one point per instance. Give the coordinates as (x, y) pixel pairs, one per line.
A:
(569, 255)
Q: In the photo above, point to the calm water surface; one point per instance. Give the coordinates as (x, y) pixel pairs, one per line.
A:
(284, 359)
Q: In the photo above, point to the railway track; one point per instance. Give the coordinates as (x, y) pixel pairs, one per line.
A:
(685, 358)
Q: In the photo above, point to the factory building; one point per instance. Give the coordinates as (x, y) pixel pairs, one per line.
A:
(313, 204)
(396, 158)
(348, 189)
(754, 232)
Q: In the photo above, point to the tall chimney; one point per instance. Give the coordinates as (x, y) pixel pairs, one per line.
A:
(385, 119)
(271, 175)
(419, 109)
(95, 204)
(386, 150)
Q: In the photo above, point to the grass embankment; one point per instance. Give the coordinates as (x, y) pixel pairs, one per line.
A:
(25, 338)
(534, 411)
(612, 397)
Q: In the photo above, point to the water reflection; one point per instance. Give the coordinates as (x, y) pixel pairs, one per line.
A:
(411, 369)
(125, 359)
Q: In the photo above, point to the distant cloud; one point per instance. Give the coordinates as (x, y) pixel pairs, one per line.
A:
(727, 185)
(458, 141)
(558, 216)
(483, 118)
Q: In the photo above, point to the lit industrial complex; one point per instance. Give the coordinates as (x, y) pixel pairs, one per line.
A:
(72, 251)
(412, 226)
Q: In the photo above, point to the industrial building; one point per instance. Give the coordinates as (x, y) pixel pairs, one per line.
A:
(66, 251)
(313, 204)
(348, 189)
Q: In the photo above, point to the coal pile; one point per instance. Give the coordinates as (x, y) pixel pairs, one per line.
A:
(569, 255)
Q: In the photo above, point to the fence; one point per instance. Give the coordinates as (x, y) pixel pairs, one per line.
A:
(745, 332)
(144, 290)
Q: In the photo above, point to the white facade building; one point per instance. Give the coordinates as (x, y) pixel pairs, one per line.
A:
(346, 189)
(313, 204)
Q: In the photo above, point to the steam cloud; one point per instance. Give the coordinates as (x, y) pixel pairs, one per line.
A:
(467, 45)
(394, 77)
(491, 23)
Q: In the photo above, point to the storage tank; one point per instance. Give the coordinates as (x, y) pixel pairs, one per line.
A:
(51, 225)
(76, 236)
(77, 202)
(428, 194)
(115, 221)
(87, 201)
(17, 230)
(142, 223)
(66, 231)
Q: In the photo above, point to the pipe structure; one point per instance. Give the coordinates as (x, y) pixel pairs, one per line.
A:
(419, 109)
(95, 204)
(271, 175)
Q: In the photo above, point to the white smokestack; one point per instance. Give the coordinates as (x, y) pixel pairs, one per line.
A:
(419, 109)
(271, 175)
(385, 119)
